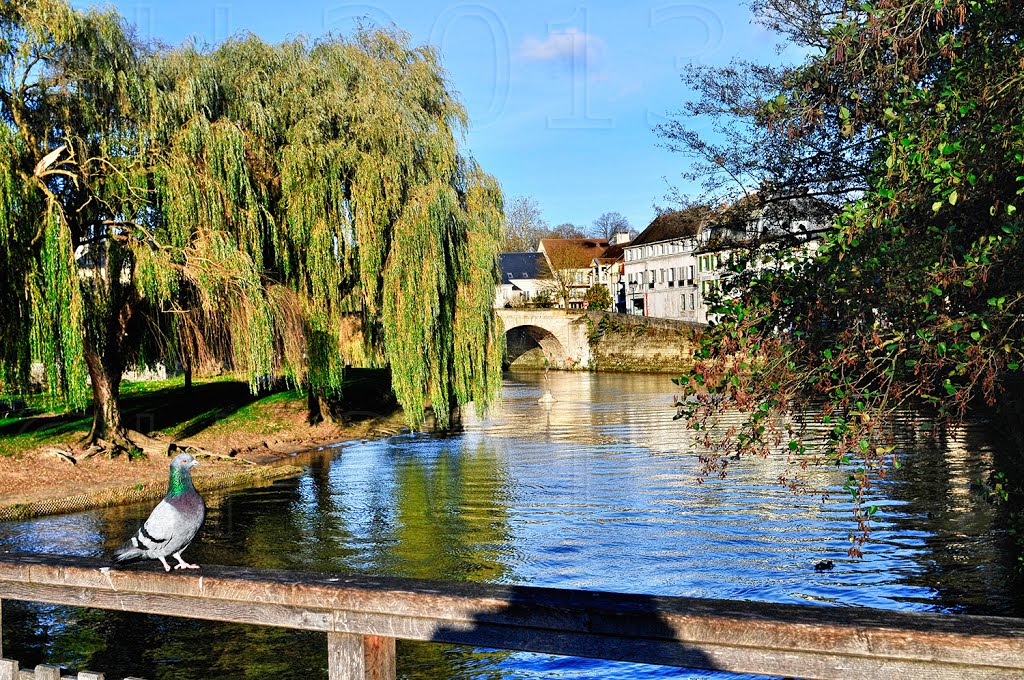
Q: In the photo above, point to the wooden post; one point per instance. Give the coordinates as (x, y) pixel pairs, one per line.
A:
(8, 669)
(360, 657)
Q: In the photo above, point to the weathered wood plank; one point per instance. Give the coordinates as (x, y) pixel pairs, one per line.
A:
(360, 657)
(89, 675)
(8, 669)
(762, 638)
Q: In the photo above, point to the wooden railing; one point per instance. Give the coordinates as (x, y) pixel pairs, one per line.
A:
(362, 616)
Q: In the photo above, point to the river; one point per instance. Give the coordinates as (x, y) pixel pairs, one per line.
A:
(595, 491)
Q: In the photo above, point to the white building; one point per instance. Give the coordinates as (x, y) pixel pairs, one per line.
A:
(660, 268)
(523, 275)
(671, 267)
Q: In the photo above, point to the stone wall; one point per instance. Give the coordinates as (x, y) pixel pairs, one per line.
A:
(626, 342)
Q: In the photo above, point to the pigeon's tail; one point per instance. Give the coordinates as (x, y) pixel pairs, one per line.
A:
(127, 553)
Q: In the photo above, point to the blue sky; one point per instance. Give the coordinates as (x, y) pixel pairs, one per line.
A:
(562, 95)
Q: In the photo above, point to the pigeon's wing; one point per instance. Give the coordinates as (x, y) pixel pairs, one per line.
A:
(152, 537)
(161, 526)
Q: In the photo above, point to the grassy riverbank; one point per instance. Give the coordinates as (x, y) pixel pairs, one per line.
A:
(248, 438)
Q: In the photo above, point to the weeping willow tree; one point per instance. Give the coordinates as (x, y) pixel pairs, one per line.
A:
(331, 171)
(72, 173)
(242, 202)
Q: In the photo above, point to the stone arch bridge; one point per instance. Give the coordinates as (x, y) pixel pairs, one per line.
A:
(561, 337)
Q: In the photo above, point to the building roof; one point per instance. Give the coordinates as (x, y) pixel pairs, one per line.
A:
(573, 253)
(613, 254)
(674, 225)
(523, 266)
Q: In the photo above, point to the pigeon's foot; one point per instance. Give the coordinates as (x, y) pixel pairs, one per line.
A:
(167, 567)
(182, 564)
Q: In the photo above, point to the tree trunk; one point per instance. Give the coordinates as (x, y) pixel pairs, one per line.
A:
(317, 405)
(106, 394)
(105, 342)
(186, 368)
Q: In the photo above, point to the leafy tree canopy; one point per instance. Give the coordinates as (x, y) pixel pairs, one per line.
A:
(906, 117)
(597, 297)
(245, 200)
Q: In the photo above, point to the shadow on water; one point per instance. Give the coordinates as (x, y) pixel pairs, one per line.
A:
(972, 562)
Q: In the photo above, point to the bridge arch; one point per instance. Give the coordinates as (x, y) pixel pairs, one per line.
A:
(532, 335)
(522, 343)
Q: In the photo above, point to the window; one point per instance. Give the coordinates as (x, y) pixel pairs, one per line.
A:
(692, 302)
(683, 304)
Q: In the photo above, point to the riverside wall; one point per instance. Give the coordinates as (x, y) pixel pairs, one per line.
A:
(626, 342)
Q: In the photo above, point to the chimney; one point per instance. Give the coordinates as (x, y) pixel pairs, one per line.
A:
(619, 238)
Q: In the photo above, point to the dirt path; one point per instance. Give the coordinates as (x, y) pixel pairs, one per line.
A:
(42, 482)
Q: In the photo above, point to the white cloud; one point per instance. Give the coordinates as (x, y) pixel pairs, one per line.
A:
(563, 46)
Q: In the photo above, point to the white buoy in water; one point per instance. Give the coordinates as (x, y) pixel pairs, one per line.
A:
(548, 398)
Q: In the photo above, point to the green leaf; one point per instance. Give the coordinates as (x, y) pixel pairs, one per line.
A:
(953, 196)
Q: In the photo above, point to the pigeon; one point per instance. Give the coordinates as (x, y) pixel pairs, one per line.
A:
(173, 523)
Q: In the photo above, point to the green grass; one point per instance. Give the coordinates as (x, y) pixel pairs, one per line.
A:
(220, 405)
(163, 406)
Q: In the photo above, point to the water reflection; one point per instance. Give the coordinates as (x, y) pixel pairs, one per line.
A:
(593, 491)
